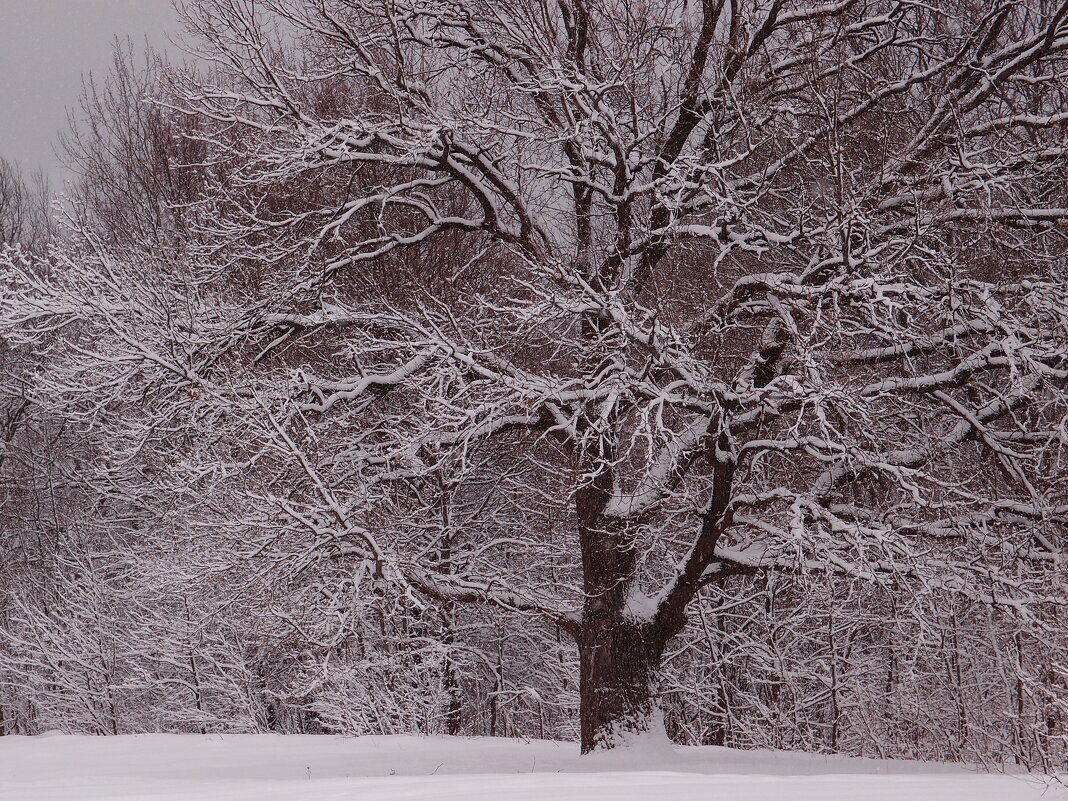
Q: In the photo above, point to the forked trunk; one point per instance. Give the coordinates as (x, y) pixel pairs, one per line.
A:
(619, 682)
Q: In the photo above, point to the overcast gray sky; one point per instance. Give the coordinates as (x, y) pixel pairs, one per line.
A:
(45, 46)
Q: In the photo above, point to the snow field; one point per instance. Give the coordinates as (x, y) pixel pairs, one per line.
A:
(162, 767)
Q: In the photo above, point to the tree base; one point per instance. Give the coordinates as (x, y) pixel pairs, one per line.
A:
(644, 735)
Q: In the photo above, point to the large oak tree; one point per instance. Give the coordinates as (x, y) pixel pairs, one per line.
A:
(579, 308)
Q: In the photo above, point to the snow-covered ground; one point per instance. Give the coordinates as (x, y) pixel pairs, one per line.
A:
(164, 767)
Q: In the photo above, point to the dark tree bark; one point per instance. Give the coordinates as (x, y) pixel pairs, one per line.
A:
(619, 680)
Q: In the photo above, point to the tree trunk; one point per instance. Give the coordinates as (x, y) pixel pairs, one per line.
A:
(619, 682)
(453, 693)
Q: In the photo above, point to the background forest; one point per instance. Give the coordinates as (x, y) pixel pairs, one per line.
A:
(388, 364)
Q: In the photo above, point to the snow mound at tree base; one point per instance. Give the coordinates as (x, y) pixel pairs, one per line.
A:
(164, 767)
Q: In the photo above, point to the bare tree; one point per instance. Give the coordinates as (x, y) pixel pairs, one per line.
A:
(26, 223)
(25, 216)
(138, 170)
(731, 289)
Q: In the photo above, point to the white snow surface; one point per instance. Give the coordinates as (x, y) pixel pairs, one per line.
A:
(165, 767)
